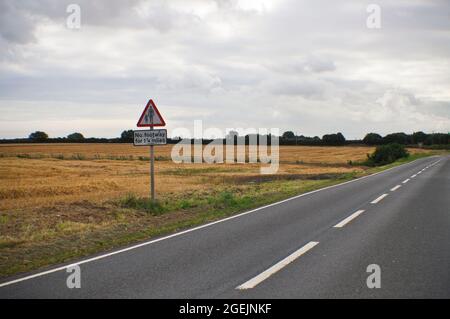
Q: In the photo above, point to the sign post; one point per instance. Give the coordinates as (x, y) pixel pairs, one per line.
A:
(152, 160)
(151, 118)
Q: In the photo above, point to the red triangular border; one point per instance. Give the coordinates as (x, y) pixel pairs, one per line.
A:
(151, 104)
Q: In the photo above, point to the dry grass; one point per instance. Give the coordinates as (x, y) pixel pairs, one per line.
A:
(46, 202)
(30, 182)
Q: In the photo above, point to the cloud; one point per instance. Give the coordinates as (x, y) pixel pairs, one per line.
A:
(312, 67)
(15, 25)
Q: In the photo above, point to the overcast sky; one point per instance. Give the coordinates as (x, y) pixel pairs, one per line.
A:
(308, 66)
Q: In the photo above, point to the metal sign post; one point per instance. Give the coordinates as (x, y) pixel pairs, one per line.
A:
(151, 118)
(152, 160)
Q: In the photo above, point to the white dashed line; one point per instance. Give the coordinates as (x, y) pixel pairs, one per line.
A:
(414, 176)
(375, 201)
(393, 189)
(349, 219)
(277, 267)
(405, 181)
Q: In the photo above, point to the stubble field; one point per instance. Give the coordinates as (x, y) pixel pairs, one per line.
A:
(62, 201)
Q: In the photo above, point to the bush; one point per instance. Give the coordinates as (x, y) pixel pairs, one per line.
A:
(386, 154)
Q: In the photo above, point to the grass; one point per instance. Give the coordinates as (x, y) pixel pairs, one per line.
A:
(134, 202)
(53, 210)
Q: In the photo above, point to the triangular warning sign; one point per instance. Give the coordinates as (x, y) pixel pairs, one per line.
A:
(151, 116)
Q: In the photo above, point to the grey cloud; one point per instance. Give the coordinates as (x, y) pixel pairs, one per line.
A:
(18, 19)
(306, 88)
(294, 65)
(320, 65)
(440, 108)
(15, 26)
(311, 63)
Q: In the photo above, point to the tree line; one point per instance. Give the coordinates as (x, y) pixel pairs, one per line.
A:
(287, 138)
(417, 138)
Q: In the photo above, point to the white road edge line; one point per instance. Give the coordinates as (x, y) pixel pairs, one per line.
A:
(393, 189)
(378, 199)
(405, 181)
(192, 229)
(277, 267)
(349, 219)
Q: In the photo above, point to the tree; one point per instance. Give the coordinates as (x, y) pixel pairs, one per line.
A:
(340, 138)
(232, 134)
(288, 135)
(372, 139)
(419, 137)
(38, 136)
(127, 136)
(400, 138)
(437, 138)
(75, 137)
(333, 139)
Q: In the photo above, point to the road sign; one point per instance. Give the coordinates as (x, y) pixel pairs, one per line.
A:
(150, 137)
(151, 118)
(149, 111)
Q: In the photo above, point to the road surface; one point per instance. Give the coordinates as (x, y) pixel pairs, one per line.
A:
(317, 245)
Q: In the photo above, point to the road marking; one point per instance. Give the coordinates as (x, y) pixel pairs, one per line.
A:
(435, 163)
(277, 267)
(393, 189)
(32, 276)
(405, 181)
(375, 201)
(414, 176)
(349, 219)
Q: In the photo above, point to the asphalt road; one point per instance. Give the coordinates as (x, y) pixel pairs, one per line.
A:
(291, 249)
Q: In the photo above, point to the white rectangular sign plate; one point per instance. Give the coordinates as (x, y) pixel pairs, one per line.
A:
(150, 137)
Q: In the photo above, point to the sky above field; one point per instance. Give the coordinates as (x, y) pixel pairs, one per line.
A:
(313, 67)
